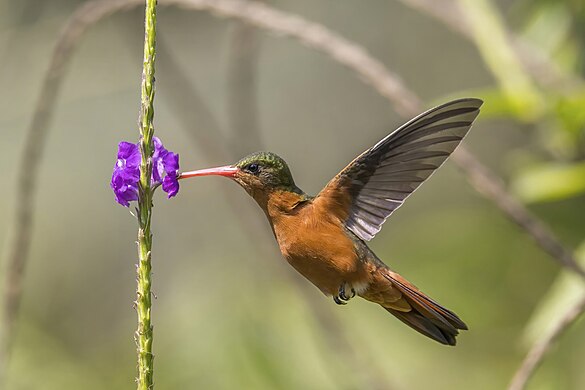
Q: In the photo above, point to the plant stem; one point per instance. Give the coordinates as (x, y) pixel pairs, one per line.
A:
(143, 335)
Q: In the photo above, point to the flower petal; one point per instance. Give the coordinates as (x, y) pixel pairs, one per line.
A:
(129, 154)
(171, 163)
(158, 170)
(159, 149)
(170, 185)
(125, 149)
(125, 186)
(157, 160)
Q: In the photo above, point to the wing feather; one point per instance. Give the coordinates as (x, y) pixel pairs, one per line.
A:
(379, 180)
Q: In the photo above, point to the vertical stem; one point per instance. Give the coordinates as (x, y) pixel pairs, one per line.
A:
(143, 335)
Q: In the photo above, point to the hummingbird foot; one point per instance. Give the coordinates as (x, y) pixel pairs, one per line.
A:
(342, 298)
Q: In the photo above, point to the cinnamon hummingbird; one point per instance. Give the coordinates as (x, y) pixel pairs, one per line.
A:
(324, 237)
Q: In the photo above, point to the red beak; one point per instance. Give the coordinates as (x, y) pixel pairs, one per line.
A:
(227, 171)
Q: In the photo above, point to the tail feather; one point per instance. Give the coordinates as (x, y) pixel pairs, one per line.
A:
(424, 326)
(427, 316)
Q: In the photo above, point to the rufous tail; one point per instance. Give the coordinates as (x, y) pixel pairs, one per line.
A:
(420, 312)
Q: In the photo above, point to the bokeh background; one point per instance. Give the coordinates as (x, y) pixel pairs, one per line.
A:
(230, 313)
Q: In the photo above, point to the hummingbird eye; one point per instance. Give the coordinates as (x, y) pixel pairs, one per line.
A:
(253, 168)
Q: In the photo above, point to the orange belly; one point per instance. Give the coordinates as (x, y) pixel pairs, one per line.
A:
(317, 246)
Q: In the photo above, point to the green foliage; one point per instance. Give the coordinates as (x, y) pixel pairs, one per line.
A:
(566, 291)
(521, 95)
(569, 111)
(550, 182)
(554, 110)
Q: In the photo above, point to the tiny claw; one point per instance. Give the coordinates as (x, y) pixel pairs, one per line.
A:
(338, 301)
(343, 295)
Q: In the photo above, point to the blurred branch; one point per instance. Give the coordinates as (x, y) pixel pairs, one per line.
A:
(29, 166)
(492, 187)
(318, 37)
(185, 102)
(242, 101)
(566, 290)
(491, 39)
(188, 106)
(537, 63)
(345, 52)
(543, 346)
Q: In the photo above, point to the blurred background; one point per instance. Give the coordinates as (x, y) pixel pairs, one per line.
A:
(230, 313)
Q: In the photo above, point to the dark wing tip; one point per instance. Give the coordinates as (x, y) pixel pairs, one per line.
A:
(470, 101)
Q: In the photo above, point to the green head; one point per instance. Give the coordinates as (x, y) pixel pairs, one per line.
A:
(265, 170)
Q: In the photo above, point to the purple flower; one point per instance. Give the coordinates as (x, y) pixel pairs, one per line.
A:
(158, 156)
(165, 162)
(126, 174)
(125, 186)
(170, 183)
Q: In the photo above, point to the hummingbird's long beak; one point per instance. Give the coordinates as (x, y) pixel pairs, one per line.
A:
(227, 171)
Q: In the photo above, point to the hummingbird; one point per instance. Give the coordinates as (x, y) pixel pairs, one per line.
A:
(324, 237)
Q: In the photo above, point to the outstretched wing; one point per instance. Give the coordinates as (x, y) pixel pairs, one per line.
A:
(379, 180)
